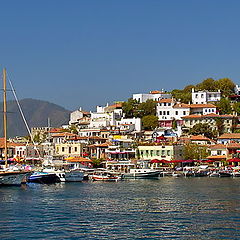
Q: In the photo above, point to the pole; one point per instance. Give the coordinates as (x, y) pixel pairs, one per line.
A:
(5, 115)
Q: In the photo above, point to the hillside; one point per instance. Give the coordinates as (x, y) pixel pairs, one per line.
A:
(36, 112)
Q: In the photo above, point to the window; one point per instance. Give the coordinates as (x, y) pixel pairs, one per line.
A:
(69, 150)
(160, 112)
(168, 152)
(151, 153)
(196, 95)
(75, 149)
(63, 149)
(202, 95)
(167, 112)
(176, 112)
(164, 112)
(157, 152)
(165, 104)
(184, 112)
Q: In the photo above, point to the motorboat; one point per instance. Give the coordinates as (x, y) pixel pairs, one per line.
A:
(142, 173)
(214, 174)
(43, 177)
(8, 177)
(105, 176)
(224, 174)
(236, 174)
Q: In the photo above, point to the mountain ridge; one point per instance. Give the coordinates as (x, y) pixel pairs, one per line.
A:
(36, 112)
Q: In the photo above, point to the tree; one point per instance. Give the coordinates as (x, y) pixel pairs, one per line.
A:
(147, 108)
(129, 107)
(226, 86)
(203, 129)
(150, 122)
(220, 125)
(194, 151)
(236, 108)
(224, 106)
(98, 162)
(207, 84)
(180, 95)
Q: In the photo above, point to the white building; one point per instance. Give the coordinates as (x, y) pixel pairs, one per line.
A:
(237, 90)
(203, 97)
(77, 115)
(203, 109)
(130, 124)
(153, 95)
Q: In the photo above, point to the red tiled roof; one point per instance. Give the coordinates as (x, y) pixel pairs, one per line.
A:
(181, 105)
(217, 157)
(208, 105)
(64, 134)
(200, 138)
(218, 146)
(230, 136)
(166, 100)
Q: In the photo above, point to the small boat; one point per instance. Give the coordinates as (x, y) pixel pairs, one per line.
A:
(43, 177)
(224, 174)
(214, 174)
(236, 174)
(105, 176)
(142, 173)
(8, 178)
(174, 174)
(74, 175)
(71, 175)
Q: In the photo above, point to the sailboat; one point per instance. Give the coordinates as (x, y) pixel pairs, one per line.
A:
(9, 175)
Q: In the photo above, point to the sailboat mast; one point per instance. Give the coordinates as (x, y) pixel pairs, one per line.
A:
(5, 114)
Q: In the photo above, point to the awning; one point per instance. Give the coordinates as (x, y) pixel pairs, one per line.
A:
(234, 160)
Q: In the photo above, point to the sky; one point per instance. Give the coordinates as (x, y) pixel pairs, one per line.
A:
(84, 53)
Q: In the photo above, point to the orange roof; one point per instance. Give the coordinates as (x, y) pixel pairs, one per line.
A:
(116, 105)
(217, 157)
(194, 116)
(166, 100)
(155, 92)
(200, 138)
(64, 134)
(78, 159)
(181, 105)
(100, 145)
(233, 145)
(55, 130)
(229, 136)
(218, 146)
(209, 105)
(211, 115)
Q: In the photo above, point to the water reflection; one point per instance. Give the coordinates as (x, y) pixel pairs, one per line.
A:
(194, 208)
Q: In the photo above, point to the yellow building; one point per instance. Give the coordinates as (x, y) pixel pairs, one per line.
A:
(161, 152)
(69, 149)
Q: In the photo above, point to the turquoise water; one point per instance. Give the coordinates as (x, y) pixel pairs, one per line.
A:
(169, 208)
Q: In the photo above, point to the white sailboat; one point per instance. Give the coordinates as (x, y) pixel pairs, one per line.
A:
(9, 176)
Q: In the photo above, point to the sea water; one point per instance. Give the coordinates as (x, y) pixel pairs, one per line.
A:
(168, 208)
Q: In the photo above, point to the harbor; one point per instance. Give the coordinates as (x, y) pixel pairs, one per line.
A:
(181, 208)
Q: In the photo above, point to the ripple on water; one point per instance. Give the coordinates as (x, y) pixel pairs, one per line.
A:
(169, 208)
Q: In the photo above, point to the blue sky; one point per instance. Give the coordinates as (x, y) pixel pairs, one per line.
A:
(87, 53)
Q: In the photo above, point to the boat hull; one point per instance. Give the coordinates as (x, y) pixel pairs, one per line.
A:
(43, 178)
(12, 178)
(74, 176)
(153, 174)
